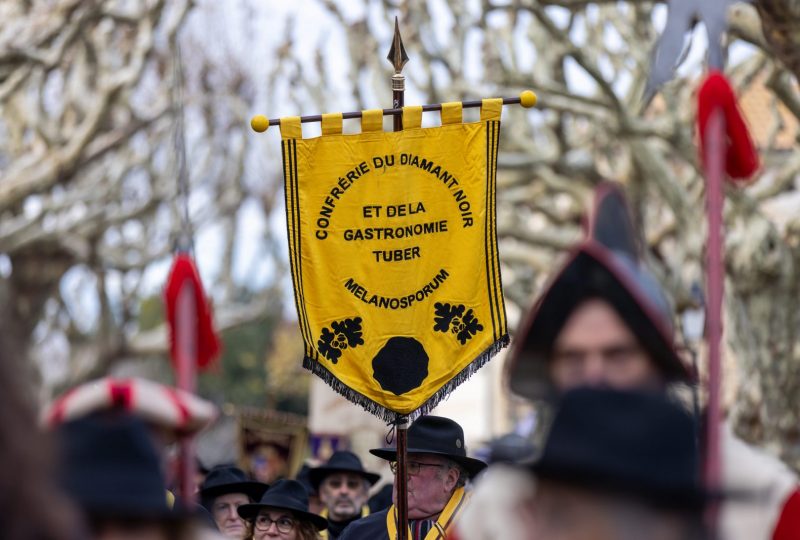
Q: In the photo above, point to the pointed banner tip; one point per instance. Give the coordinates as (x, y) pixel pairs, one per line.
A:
(397, 53)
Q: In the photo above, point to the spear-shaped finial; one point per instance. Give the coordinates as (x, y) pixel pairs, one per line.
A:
(398, 57)
(397, 54)
(682, 16)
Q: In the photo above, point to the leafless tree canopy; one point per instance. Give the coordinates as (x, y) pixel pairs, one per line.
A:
(87, 154)
(588, 62)
(88, 197)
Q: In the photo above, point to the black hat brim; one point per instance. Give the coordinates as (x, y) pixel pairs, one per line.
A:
(318, 474)
(471, 465)
(254, 490)
(250, 511)
(589, 272)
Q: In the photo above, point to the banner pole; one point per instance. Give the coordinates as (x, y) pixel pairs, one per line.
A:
(715, 169)
(398, 57)
(186, 327)
(186, 340)
(401, 477)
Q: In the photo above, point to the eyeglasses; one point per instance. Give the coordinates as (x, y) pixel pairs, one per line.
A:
(283, 523)
(414, 467)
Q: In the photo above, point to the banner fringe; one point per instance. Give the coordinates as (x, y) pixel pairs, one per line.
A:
(390, 416)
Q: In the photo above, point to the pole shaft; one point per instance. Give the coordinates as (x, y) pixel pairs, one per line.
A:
(398, 99)
(715, 171)
(186, 352)
(401, 480)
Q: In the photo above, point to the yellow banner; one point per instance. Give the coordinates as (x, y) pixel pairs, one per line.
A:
(393, 253)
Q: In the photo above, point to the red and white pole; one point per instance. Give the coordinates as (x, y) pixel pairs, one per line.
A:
(186, 338)
(715, 151)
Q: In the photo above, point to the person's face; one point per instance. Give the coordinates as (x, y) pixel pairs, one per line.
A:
(562, 512)
(596, 348)
(226, 517)
(343, 494)
(431, 482)
(275, 523)
(132, 530)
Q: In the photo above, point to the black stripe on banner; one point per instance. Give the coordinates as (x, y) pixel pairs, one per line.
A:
(299, 252)
(501, 303)
(493, 224)
(487, 241)
(495, 256)
(296, 248)
(288, 188)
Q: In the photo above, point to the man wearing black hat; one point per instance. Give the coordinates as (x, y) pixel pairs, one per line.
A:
(343, 486)
(438, 469)
(605, 321)
(224, 490)
(110, 469)
(618, 465)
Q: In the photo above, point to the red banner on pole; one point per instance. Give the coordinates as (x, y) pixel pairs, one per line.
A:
(740, 154)
(184, 277)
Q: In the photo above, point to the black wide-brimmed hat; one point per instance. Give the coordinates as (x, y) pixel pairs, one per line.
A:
(607, 265)
(436, 435)
(225, 479)
(625, 443)
(109, 467)
(341, 461)
(286, 495)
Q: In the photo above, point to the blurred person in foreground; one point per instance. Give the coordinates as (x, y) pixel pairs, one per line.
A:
(618, 465)
(112, 472)
(438, 470)
(223, 491)
(282, 512)
(343, 486)
(30, 505)
(502, 494)
(604, 320)
(169, 414)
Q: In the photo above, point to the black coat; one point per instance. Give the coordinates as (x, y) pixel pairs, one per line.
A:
(336, 528)
(372, 527)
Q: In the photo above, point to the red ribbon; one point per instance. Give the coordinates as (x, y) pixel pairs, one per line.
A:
(741, 157)
(208, 343)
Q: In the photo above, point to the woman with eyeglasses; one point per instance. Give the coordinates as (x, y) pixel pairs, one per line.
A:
(282, 513)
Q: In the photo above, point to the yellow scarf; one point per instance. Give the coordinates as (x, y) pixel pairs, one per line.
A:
(324, 534)
(441, 526)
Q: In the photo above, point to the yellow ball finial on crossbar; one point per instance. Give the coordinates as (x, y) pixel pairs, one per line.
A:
(527, 99)
(259, 123)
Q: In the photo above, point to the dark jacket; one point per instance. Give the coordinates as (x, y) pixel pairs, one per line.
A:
(336, 528)
(372, 527)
